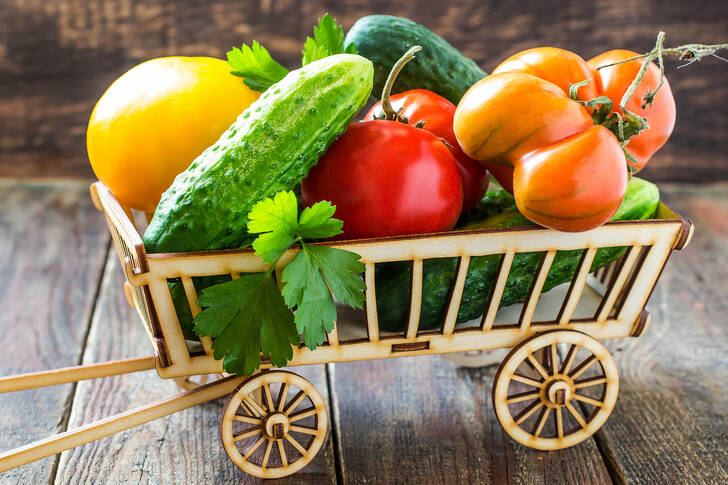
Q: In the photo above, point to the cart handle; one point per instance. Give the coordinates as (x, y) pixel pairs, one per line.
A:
(119, 422)
(74, 374)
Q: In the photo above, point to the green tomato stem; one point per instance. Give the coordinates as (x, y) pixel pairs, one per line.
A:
(389, 112)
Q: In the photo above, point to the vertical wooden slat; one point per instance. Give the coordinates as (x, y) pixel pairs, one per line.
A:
(191, 294)
(627, 288)
(497, 291)
(415, 299)
(171, 330)
(235, 275)
(617, 282)
(571, 300)
(538, 280)
(457, 294)
(371, 296)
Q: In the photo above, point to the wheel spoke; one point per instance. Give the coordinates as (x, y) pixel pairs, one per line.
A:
(583, 367)
(522, 396)
(527, 411)
(591, 381)
(255, 446)
(291, 406)
(302, 414)
(588, 400)
(526, 380)
(554, 360)
(296, 444)
(303, 429)
(282, 395)
(543, 417)
(282, 452)
(559, 423)
(248, 419)
(248, 434)
(539, 368)
(255, 406)
(268, 397)
(269, 447)
(576, 414)
(568, 360)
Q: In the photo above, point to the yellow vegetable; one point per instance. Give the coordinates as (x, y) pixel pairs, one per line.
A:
(156, 119)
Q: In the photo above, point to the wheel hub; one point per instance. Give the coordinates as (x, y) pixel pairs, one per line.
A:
(276, 426)
(557, 392)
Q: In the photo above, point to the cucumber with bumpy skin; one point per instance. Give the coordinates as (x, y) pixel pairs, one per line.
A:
(270, 148)
(439, 67)
(393, 279)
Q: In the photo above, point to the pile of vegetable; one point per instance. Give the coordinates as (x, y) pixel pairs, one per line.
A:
(247, 153)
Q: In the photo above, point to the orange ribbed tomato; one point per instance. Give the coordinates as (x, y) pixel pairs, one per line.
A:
(613, 82)
(564, 68)
(564, 172)
(156, 119)
(555, 65)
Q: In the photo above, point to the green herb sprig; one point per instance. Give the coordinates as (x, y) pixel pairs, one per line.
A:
(260, 71)
(249, 315)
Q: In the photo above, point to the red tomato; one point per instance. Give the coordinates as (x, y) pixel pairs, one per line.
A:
(437, 113)
(387, 178)
(613, 82)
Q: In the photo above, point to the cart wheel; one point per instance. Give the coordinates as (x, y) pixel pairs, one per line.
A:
(549, 403)
(192, 382)
(288, 415)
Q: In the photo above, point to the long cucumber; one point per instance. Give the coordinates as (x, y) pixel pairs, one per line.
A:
(392, 280)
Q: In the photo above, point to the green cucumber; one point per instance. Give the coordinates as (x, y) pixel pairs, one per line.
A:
(439, 67)
(392, 280)
(270, 148)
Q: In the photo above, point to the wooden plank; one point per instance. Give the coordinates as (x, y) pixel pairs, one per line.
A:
(45, 101)
(185, 447)
(424, 420)
(52, 247)
(670, 422)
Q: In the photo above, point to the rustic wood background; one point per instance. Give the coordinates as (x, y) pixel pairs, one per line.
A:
(421, 420)
(58, 56)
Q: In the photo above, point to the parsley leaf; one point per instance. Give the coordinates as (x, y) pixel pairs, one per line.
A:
(277, 219)
(306, 288)
(328, 39)
(255, 65)
(244, 317)
(249, 315)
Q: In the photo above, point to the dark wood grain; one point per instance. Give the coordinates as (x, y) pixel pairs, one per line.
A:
(182, 448)
(424, 420)
(57, 58)
(52, 248)
(670, 424)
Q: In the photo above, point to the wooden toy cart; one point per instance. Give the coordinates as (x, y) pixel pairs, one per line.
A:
(554, 389)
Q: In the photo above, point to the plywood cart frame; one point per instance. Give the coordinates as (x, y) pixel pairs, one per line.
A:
(554, 389)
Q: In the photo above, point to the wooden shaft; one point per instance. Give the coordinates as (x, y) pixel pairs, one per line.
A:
(114, 424)
(73, 374)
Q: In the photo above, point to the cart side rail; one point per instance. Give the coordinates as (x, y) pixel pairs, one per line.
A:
(624, 293)
(625, 286)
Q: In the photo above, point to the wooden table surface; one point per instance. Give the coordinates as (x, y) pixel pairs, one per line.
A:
(410, 420)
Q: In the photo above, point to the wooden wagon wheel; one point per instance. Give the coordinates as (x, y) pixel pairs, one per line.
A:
(276, 409)
(553, 409)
